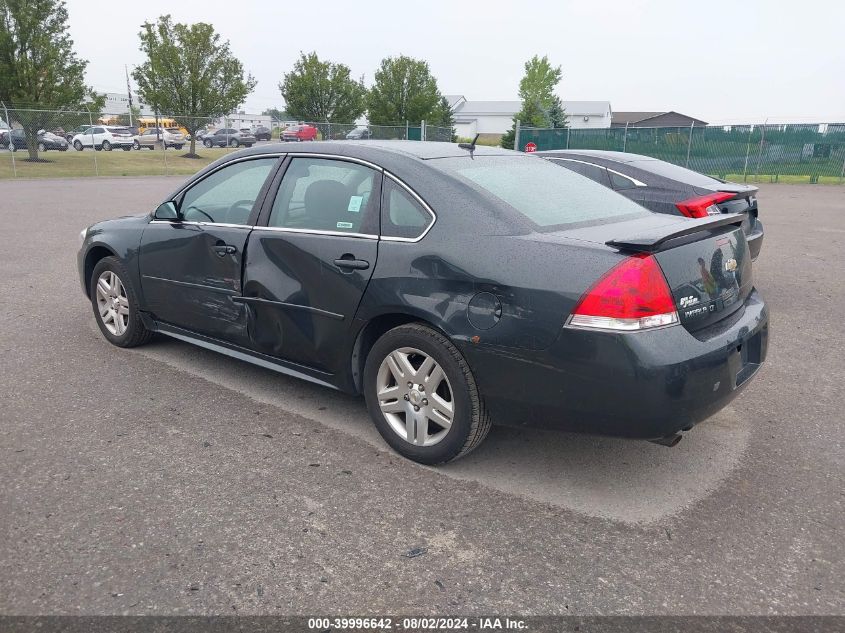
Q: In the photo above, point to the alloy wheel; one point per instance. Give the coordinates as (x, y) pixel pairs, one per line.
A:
(112, 303)
(415, 396)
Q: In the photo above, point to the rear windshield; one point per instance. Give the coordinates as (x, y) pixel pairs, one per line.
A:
(548, 196)
(675, 172)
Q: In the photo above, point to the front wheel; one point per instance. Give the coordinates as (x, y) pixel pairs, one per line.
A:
(115, 305)
(136, 145)
(42, 148)
(422, 395)
(77, 145)
(208, 144)
(106, 146)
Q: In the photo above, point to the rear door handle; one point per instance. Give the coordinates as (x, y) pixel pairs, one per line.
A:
(352, 264)
(224, 249)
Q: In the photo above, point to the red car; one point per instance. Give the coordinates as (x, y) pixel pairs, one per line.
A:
(300, 133)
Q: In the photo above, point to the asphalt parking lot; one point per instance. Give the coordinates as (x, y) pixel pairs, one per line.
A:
(169, 480)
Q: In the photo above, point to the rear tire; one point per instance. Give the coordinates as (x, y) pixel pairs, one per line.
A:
(106, 146)
(136, 145)
(234, 143)
(115, 305)
(426, 359)
(208, 144)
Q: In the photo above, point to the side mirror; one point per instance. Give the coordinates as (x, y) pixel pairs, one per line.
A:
(167, 211)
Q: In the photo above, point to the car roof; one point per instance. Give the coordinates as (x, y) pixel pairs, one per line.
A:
(379, 150)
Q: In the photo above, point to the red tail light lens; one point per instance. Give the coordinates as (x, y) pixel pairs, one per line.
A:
(702, 206)
(633, 295)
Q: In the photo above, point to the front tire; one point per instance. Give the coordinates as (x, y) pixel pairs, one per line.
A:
(115, 304)
(77, 145)
(208, 144)
(136, 145)
(42, 148)
(106, 146)
(422, 395)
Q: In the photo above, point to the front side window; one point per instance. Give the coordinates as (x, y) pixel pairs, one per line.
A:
(401, 214)
(228, 195)
(320, 194)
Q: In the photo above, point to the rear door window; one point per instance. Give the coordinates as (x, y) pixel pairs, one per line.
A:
(319, 194)
(401, 214)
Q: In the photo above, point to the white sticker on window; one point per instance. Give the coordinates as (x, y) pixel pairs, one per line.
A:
(355, 204)
(344, 225)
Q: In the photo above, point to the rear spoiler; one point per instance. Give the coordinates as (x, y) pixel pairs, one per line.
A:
(651, 241)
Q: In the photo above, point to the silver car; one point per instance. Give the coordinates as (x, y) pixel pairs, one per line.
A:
(153, 136)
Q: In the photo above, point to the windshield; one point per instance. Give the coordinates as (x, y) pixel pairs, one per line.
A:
(550, 197)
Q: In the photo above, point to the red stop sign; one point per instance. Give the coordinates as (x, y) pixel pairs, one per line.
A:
(531, 147)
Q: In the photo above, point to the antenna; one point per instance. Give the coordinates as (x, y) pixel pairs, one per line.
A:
(470, 146)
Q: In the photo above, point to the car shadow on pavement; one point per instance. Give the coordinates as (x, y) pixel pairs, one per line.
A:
(623, 480)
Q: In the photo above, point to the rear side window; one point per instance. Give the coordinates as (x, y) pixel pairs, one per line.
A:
(620, 182)
(593, 172)
(676, 172)
(548, 196)
(401, 214)
(319, 194)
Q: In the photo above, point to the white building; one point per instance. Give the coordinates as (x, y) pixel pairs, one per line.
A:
(496, 117)
(118, 103)
(241, 120)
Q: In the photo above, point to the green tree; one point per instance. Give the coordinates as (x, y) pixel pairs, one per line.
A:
(404, 90)
(442, 116)
(189, 73)
(322, 91)
(39, 70)
(131, 117)
(540, 106)
(556, 114)
(278, 115)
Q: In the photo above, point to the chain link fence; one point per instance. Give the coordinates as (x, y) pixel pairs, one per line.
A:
(771, 152)
(36, 143)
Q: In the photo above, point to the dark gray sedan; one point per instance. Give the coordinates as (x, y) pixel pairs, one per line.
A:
(452, 286)
(228, 137)
(666, 188)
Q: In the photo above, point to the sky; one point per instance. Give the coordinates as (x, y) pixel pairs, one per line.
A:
(724, 62)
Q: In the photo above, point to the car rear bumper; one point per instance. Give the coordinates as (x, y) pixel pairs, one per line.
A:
(645, 385)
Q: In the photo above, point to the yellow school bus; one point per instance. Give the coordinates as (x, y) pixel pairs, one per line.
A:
(145, 122)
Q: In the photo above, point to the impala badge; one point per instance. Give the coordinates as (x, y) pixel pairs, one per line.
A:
(730, 265)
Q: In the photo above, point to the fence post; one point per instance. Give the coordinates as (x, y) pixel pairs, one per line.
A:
(422, 130)
(11, 146)
(568, 130)
(516, 137)
(93, 147)
(842, 173)
(747, 151)
(760, 151)
(625, 137)
(407, 129)
(689, 144)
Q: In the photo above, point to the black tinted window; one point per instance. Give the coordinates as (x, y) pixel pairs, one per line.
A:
(401, 214)
(319, 194)
(620, 182)
(676, 172)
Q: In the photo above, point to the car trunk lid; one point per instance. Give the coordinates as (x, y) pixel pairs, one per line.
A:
(706, 261)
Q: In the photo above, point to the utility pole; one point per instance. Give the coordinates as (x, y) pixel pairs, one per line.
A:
(129, 89)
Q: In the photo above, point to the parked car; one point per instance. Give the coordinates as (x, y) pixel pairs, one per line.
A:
(554, 302)
(79, 130)
(228, 137)
(262, 133)
(666, 188)
(104, 137)
(299, 133)
(359, 133)
(154, 136)
(46, 141)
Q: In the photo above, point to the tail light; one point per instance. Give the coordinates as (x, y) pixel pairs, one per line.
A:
(631, 296)
(702, 206)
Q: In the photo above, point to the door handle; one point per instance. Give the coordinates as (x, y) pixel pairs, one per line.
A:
(224, 249)
(352, 264)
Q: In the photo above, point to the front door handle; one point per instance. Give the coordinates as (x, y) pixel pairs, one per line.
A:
(350, 263)
(224, 249)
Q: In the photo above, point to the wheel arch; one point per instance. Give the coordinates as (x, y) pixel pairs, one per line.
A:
(372, 330)
(96, 253)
